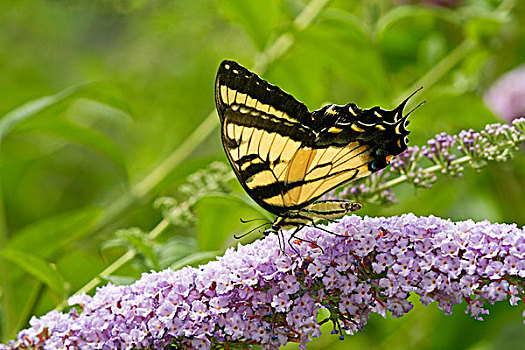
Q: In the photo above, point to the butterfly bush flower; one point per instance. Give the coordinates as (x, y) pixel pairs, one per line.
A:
(258, 294)
(506, 97)
(443, 155)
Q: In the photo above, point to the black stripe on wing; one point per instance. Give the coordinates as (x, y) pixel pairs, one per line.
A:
(249, 117)
(274, 189)
(237, 85)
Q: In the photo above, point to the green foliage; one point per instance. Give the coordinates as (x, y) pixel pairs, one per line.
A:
(218, 219)
(38, 268)
(106, 107)
(50, 234)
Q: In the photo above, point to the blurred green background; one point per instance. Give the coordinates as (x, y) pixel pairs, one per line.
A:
(99, 96)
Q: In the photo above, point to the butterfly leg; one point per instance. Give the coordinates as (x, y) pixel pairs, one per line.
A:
(325, 230)
(279, 236)
(293, 235)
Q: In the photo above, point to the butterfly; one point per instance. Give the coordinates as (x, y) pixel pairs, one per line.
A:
(286, 157)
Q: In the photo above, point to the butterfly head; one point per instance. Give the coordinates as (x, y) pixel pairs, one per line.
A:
(277, 225)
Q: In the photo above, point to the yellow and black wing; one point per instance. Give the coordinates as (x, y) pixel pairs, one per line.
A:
(285, 156)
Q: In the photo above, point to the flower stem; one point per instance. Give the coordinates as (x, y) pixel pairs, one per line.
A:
(404, 178)
(442, 68)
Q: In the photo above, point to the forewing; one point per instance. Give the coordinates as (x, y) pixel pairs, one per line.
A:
(262, 129)
(237, 86)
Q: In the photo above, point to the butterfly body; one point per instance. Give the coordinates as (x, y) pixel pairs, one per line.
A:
(287, 157)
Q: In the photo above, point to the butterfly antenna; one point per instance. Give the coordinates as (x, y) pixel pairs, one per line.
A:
(402, 104)
(279, 236)
(413, 109)
(247, 233)
(251, 220)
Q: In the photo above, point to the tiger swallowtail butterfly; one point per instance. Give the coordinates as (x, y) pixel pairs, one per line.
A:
(287, 157)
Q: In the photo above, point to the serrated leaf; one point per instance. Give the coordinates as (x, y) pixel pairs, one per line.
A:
(50, 234)
(38, 268)
(111, 243)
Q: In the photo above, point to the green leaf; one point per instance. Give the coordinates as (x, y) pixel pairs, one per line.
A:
(195, 258)
(356, 69)
(408, 12)
(32, 108)
(97, 91)
(432, 49)
(259, 18)
(218, 218)
(176, 248)
(38, 268)
(482, 29)
(139, 240)
(120, 280)
(84, 136)
(50, 234)
(350, 23)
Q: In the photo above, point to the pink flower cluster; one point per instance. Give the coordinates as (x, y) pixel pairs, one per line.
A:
(258, 294)
(506, 97)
